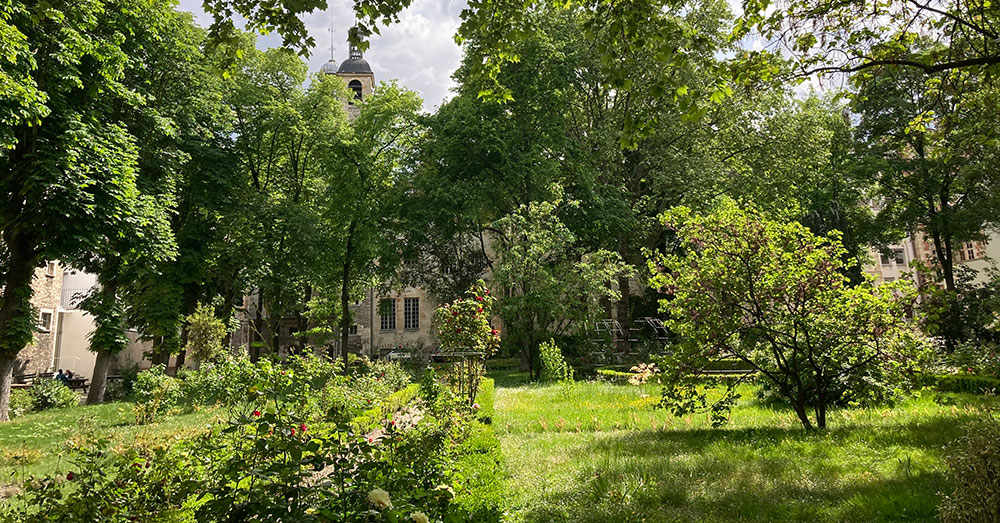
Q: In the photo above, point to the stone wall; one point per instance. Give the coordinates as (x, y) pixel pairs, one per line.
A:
(47, 287)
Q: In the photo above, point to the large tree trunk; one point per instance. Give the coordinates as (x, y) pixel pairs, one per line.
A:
(15, 313)
(99, 381)
(345, 297)
(6, 376)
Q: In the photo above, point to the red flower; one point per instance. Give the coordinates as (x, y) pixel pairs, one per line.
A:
(479, 309)
(454, 313)
(69, 476)
(487, 292)
(459, 331)
(392, 422)
(302, 427)
(479, 298)
(256, 413)
(293, 431)
(370, 440)
(493, 331)
(147, 463)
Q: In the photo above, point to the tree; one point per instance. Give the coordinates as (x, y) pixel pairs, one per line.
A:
(70, 162)
(794, 160)
(549, 284)
(827, 36)
(774, 296)
(283, 135)
(933, 145)
(368, 176)
(206, 333)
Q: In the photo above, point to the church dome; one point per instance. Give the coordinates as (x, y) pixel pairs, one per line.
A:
(329, 67)
(354, 66)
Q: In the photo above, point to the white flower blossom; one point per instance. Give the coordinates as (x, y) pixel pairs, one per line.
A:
(419, 517)
(379, 498)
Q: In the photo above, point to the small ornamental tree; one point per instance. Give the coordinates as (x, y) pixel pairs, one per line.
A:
(205, 335)
(775, 296)
(465, 324)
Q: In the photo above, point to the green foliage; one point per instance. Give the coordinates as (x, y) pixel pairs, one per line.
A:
(123, 387)
(21, 403)
(51, 394)
(774, 295)
(549, 281)
(206, 333)
(465, 323)
(554, 367)
(965, 383)
(307, 465)
(974, 465)
(155, 394)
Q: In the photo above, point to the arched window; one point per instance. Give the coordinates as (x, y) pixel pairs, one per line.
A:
(356, 87)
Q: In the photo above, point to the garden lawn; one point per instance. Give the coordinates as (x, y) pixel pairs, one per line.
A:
(35, 444)
(599, 452)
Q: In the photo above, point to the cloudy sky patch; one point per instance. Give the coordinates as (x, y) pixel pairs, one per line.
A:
(419, 51)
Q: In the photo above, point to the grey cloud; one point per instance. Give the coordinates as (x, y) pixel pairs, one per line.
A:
(419, 51)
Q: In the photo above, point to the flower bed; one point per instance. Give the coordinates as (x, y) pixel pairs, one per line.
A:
(300, 444)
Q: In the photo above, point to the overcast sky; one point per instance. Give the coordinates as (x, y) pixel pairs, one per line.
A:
(419, 51)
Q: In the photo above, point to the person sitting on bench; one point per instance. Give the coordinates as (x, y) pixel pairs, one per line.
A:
(61, 377)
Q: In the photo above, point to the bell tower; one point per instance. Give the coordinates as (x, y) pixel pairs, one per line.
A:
(355, 72)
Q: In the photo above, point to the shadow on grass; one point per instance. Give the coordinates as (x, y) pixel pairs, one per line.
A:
(848, 473)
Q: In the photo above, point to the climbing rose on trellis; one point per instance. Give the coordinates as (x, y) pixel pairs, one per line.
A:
(466, 322)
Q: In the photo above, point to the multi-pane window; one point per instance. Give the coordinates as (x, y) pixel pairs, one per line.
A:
(900, 259)
(353, 329)
(388, 311)
(411, 313)
(45, 321)
(967, 252)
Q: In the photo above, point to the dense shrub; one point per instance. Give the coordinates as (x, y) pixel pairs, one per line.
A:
(155, 394)
(20, 403)
(51, 394)
(974, 465)
(554, 367)
(965, 383)
(122, 388)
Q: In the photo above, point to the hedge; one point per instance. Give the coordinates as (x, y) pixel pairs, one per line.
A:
(964, 383)
(480, 470)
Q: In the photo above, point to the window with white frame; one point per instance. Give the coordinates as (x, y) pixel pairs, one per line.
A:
(898, 256)
(387, 308)
(50, 269)
(411, 313)
(45, 320)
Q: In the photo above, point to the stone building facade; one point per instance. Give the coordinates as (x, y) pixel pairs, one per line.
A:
(47, 286)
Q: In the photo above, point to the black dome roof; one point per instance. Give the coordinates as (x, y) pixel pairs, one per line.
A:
(355, 66)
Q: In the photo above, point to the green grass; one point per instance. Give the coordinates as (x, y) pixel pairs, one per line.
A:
(36, 444)
(598, 452)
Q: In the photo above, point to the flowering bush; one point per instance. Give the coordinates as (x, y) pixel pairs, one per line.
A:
(466, 323)
(276, 459)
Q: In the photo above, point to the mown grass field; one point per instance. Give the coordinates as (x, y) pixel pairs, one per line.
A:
(599, 452)
(37, 443)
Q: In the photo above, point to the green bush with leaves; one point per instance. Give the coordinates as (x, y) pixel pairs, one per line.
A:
(155, 394)
(974, 465)
(206, 333)
(20, 403)
(52, 394)
(122, 388)
(775, 296)
(554, 367)
(305, 465)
